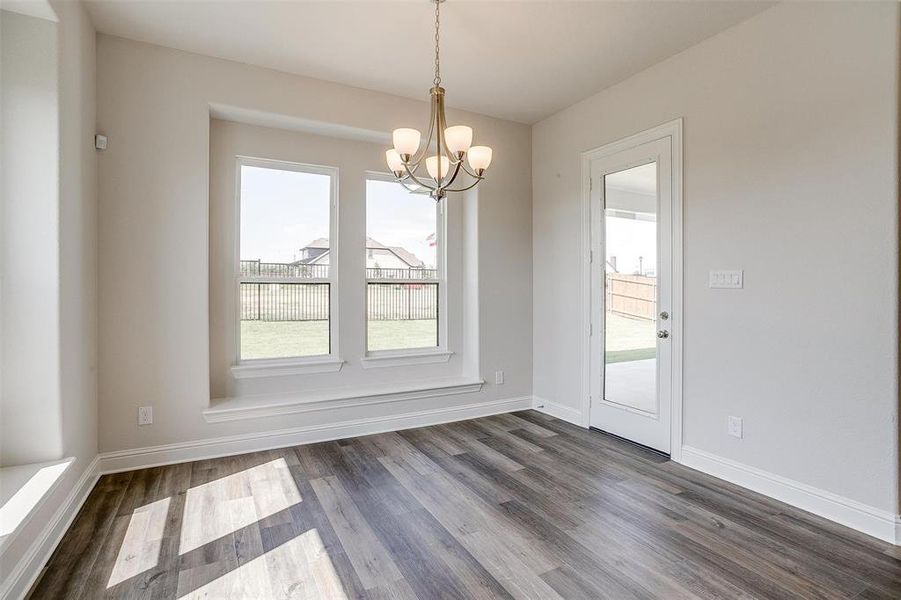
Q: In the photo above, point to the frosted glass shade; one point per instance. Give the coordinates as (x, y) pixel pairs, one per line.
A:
(458, 138)
(431, 164)
(479, 157)
(406, 141)
(394, 162)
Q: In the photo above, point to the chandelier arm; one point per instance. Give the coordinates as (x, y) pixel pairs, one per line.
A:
(470, 173)
(442, 127)
(406, 187)
(452, 178)
(421, 154)
(439, 140)
(468, 187)
(416, 179)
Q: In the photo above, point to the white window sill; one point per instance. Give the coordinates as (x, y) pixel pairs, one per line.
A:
(23, 489)
(283, 367)
(402, 359)
(252, 407)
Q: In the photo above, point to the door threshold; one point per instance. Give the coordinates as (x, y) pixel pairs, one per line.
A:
(632, 442)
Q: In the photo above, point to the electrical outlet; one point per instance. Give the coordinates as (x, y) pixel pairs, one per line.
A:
(145, 415)
(499, 377)
(734, 427)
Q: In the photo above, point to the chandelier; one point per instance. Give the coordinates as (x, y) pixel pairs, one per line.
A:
(447, 156)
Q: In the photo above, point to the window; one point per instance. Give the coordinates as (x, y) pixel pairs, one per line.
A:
(404, 268)
(286, 271)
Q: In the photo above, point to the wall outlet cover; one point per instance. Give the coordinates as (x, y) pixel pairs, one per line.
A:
(499, 377)
(145, 415)
(734, 427)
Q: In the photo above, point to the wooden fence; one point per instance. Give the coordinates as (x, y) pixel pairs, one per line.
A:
(632, 295)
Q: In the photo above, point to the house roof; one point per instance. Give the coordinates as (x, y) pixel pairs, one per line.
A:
(406, 256)
(371, 244)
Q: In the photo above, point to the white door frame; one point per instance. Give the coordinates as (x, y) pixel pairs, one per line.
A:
(672, 130)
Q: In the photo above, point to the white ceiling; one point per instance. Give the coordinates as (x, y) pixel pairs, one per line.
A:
(519, 60)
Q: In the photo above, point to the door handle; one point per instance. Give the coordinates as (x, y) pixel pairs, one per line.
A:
(663, 334)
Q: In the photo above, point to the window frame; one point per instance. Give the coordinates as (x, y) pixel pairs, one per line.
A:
(262, 367)
(404, 356)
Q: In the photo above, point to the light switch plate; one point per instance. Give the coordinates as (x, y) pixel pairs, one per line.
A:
(727, 279)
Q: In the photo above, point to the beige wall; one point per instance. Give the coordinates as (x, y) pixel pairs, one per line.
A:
(154, 104)
(790, 173)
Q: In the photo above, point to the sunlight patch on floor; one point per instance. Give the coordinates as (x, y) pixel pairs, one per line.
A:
(226, 505)
(299, 568)
(140, 550)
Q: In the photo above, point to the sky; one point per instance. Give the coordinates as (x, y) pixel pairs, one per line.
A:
(627, 239)
(632, 190)
(283, 211)
(396, 217)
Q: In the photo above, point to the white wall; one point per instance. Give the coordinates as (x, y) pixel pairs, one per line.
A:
(353, 159)
(71, 366)
(790, 173)
(154, 104)
(30, 427)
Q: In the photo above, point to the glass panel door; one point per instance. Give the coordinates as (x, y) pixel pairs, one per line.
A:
(630, 361)
(630, 294)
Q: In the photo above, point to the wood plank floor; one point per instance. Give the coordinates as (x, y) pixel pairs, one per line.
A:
(519, 505)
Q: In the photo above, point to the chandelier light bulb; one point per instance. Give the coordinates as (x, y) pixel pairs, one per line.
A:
(406, 142)
(479, 158)
(458, 138)
(431, 165)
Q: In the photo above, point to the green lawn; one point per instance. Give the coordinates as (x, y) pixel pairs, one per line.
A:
(284, 339)
(398, 335)
(627, 339)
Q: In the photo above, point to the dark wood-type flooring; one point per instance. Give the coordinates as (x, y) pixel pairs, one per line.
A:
(519, 505)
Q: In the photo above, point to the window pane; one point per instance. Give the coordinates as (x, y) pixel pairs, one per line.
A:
(284, 234)
(401, 244)
(281, 320)
(400, 229)
(630, 238)
(402, 315)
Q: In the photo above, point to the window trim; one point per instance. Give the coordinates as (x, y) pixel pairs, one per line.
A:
(292, 365)
(408, 356)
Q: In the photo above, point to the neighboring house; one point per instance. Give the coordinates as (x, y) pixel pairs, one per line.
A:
(378, 255)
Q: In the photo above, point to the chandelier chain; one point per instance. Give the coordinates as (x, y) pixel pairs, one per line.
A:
(437, 80)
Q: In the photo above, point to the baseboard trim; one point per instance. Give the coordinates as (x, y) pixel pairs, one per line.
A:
(559, 411)
(27, 570)
(167, 454)
(850, 513)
